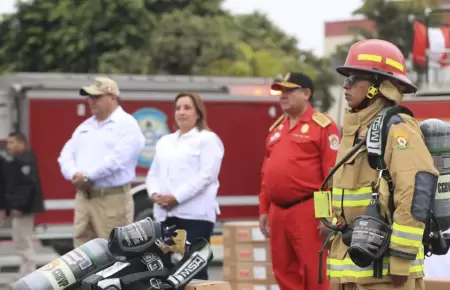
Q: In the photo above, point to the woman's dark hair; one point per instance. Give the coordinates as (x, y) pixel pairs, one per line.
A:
(199, 108)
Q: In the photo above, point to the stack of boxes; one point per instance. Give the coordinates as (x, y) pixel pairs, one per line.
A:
(246, 258)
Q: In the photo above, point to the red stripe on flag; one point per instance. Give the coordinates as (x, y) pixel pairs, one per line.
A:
(446, 33)
(419, 43)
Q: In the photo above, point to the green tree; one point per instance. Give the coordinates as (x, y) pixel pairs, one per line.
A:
(150, 37)
(323, 79)
(259, 32)
(273, 50)
(183, 43)
(135, 62)
(195, 7)
(246, 62)
(70, 35)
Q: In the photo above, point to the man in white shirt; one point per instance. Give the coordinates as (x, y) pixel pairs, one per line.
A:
(100, 161)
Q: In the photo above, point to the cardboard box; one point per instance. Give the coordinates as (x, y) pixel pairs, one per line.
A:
(248, 272)
(437, 284)
(264, 286)
(335, 286)
(208, 285)
(242, 232)
(247, 253)
(254, 286)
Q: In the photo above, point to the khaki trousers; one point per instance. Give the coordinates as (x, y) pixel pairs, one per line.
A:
(22, 235)
(97, 216)
(411, 284)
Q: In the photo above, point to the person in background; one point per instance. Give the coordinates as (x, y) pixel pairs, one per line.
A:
(183, 178)
(100, 160)
(23, 198)
(3, 207)
(300, 152)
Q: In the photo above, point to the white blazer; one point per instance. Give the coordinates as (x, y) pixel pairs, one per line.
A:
(188, 167)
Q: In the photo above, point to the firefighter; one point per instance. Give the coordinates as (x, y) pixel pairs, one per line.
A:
(301, 149)
(376, 79)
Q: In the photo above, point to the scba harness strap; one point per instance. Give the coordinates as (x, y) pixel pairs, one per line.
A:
(378, 132)
(376, 139)
(434, 241)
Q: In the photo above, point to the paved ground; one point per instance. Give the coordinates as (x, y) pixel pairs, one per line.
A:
(9, 262)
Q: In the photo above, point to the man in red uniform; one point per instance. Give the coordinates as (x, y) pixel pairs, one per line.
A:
(301, 150)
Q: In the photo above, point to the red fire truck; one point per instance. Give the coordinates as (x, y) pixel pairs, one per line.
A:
(47, 108)
(430, 103)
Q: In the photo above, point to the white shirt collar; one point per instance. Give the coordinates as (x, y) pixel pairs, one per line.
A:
(194, 131)
(115, 115)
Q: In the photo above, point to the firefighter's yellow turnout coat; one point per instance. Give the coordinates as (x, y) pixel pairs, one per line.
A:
(406, 155)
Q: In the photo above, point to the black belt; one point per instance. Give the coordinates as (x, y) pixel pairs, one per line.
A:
(290, 204)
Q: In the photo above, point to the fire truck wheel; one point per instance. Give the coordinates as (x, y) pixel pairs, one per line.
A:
(143, 206)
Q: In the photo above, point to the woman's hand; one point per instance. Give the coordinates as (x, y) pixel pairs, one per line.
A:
(155, 197)
(167, 201)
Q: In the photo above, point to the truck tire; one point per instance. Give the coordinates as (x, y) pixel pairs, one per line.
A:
(143, 206)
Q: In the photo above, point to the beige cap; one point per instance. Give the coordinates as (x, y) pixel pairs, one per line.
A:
(101, 86)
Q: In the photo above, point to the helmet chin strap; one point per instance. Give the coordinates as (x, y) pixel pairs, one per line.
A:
(372, 92)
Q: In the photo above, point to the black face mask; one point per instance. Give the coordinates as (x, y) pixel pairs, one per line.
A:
(370, 236)
(369, 241)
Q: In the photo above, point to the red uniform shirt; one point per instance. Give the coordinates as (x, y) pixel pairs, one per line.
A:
(298, 159)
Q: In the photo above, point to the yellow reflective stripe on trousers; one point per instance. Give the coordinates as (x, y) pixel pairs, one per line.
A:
(346, 268)
(418, 264)
(406, 236)
(352, 197)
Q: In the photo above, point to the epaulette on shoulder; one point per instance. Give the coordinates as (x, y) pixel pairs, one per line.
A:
(321, 119)
(276, 123)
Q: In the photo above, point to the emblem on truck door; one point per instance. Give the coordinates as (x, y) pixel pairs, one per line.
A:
(153, 124)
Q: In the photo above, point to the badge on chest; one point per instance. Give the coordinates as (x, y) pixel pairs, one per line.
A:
(302, 133)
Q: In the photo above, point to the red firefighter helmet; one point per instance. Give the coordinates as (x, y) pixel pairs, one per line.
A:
(379, 57)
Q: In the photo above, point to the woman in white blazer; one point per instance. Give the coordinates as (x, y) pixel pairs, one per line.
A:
(183, 179)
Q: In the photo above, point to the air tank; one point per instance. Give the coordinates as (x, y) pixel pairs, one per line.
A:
(70, 269)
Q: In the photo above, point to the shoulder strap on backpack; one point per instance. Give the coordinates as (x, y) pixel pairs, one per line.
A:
(378, 134)
(376, 144)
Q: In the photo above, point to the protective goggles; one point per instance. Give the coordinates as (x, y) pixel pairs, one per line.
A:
(352, 79)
